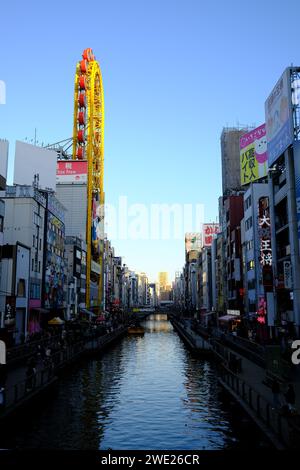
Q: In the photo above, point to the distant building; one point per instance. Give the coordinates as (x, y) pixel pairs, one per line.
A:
(163, 280)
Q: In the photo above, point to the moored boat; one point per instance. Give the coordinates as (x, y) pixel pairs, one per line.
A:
(136, 330)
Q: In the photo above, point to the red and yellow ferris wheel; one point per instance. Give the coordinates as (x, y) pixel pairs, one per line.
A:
(88, 144)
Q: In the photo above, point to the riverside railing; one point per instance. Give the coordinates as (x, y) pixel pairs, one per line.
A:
(30, 385)
(286, 429)
(29, 349)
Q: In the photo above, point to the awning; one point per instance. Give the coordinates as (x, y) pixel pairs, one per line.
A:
(87, 312)
(229, 318)
(56, 321)
(40, 310)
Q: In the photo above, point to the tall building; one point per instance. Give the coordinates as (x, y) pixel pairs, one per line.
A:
(163, 281)
(71, 191)
(230, 154)
(253, 279)
(35, 220)
(280, 216)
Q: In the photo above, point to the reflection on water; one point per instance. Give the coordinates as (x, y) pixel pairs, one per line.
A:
(144, 392)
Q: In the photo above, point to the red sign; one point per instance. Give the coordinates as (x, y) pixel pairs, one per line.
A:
(71, 171)
(209, 230)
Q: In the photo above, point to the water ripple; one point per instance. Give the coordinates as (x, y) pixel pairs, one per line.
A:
(144, 392)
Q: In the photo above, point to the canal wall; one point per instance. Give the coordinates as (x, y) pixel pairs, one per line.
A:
(195, 342)
(242, 373)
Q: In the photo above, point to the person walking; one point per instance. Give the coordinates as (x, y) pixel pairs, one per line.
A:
(276, 394)
(290, 397)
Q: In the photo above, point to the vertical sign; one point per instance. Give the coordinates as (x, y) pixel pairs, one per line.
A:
(265, 244)
(253, 155)
(209, 230)
(297, 182)
(287, 275)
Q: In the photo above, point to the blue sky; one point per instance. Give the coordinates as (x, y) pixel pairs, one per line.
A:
(174, 73)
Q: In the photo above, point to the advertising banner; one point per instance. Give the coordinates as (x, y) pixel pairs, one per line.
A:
(209, 230)
(253, 155)
(278, 114)
(97, 227)
(71, 171)
(297, 182)
(192, 241)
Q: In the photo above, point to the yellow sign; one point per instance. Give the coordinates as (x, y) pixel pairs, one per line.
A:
(253, 155)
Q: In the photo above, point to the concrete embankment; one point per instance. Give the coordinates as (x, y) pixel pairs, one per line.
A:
(195, 342)
(242, 374)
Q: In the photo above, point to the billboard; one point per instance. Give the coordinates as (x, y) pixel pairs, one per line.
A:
(297, 183)
(209, 230)
(31, 160)
(97, 227)
(71, 172)
(253, 155)
(279, 119)
(192, 241)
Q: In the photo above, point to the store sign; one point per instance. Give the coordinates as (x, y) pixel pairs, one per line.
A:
(234, 313)
(287, 275)
(209, 231)
(264, 232)
(262, 311)
(71, 171)
(253, 155)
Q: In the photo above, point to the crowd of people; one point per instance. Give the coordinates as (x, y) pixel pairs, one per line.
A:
(41, 350)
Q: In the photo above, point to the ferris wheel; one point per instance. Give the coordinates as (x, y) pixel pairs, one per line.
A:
(88, 144)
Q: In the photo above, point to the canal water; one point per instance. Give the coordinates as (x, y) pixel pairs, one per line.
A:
(144, 392)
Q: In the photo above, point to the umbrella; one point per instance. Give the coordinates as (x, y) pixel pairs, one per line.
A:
(56, 321)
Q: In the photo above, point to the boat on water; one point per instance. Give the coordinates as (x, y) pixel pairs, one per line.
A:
(135, 330)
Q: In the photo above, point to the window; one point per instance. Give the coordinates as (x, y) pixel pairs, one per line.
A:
(251, 284)
(35, 291)
(39, 266)
(40, 247)
(248, 202)
(33, 241)
(37, 219)
(21, 288)
(249, 245)
(248, 223)
(1, 224)
(32, 264)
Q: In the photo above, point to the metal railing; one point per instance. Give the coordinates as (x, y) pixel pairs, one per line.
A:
(285, 429)
(29, 349)
(30, 385)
